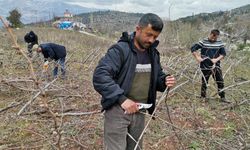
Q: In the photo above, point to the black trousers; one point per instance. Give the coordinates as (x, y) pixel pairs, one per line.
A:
(30, 46)
(217, 75)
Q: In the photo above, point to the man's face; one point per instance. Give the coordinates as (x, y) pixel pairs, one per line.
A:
(213, 37)
(145, 36)
(39, 49)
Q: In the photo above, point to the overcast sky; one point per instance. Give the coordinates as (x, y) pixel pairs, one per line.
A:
(178, 8)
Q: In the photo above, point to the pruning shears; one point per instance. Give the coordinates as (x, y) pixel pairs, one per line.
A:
(143, 105)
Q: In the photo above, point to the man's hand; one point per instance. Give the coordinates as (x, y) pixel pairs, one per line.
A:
(170, 81)
(214, 60)
(198, 57)
(129, 106)
(46, 66)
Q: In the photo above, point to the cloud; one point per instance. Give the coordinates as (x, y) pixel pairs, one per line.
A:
(97, 2)
(178, 8)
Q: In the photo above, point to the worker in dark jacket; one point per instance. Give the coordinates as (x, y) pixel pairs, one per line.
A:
(127, 76)
(32, 39)
(212, 51)
(54, 52)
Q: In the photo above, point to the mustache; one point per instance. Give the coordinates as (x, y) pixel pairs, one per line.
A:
(145, 45)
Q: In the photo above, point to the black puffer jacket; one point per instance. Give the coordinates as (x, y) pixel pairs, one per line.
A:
(31, 37)
(53, 51)
(114, 74)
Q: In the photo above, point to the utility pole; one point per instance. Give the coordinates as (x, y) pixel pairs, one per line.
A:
(91, 19)
(36, 15)
(170, 5)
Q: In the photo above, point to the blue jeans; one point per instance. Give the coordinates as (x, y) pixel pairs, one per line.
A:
(60, 62)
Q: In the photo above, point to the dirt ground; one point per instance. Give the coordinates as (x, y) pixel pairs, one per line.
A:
(67, 115)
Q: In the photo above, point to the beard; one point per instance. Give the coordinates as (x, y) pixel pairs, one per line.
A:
(143, 45)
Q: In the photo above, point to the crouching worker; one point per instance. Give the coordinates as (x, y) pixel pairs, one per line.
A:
(52, 51)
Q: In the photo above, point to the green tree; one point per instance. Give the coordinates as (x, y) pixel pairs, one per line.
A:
(14, 18)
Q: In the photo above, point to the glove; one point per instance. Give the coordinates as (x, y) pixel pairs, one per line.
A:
(46, 65)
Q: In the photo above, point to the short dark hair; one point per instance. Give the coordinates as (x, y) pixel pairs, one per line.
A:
(215, 32)
(153, 19)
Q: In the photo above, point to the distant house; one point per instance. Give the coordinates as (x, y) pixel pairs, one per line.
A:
(67, 22)
(67, 16)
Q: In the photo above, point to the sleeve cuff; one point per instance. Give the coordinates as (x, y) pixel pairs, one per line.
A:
(122, 99)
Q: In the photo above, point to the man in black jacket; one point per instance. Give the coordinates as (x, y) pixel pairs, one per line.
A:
(52, 51)
(32, 39)
(130, 73)
(211, 52)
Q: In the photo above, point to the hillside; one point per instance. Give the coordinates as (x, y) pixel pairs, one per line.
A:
(235, 23)
(36, 10)
(110, 22)
(66, 114)
(215, 16)
(103, 23)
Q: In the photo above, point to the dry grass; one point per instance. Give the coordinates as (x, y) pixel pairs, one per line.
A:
(199, 126)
